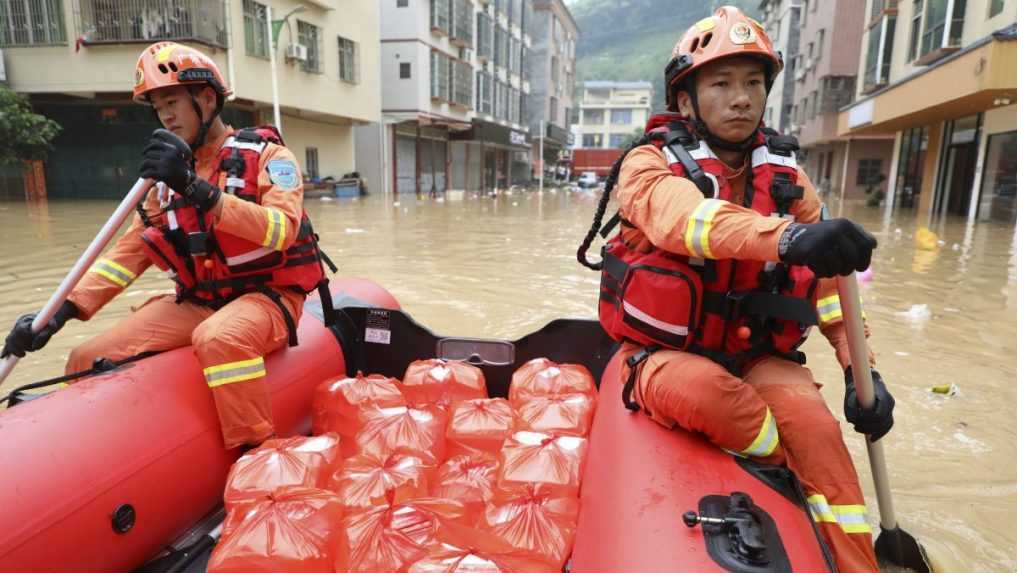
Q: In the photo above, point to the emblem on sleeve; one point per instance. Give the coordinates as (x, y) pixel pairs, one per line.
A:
(283, 173)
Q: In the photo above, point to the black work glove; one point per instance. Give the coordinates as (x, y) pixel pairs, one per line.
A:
(878, 420)
(168, 159)
(22, 340)
(829, 248)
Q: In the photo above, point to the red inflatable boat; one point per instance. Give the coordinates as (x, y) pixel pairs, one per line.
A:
(126, 471)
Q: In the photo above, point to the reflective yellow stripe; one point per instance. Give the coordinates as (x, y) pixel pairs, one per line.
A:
(828, 309)
(276, 231)
(234, 372)
(113, 272)
(851, 518)
(697, 230)
(766, 441)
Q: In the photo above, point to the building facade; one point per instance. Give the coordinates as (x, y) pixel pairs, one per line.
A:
(825, 71)
(612, 112)
(780, 19)
(552, 74)
(454, 94)
(75, 60)
(939, 78)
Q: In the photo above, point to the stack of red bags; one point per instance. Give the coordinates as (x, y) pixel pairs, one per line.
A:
(424, 475)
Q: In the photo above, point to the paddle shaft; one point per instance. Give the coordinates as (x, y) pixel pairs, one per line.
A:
(850, 304)
(141, 186)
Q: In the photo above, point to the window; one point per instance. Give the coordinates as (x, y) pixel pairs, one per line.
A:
(815, 104)
(913, 147)
(995, 7)
(31, 22)
(819, 45)
(255, 29)
(310, 35)
(554, 70)
(462, 21)
(349, 65)
(402, 3)
(500, 50)
(869, 171)
(311, 165)
(805, 11)
(440, 67)
(617, 139)
(484, 103)
(999, 185)
(404, 70)
(553, 115)
(917, 9)
(462, 83)
(621, 116)
(593, 116)
(441, 15)
(877, 64)
(485, 36)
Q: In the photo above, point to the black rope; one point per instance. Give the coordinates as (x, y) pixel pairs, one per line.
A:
(605, 198)
(98, 368)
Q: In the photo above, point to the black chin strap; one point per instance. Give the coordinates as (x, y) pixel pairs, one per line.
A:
(713, 140)
(205, 125)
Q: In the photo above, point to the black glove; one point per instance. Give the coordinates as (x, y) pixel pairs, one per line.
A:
(878, 420)
(829, 248)
(168, 159)
(22, 340)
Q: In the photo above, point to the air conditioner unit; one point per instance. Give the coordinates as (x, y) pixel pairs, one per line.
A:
(296, 52)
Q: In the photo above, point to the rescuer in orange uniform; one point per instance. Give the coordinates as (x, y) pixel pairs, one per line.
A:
(226, 220)
(720, 269)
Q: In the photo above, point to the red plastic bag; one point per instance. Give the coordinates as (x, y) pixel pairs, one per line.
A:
(293, 529)
(536, 519)
(369, 480)
(418, 428)
(543, 377)
(468, 550)
(569, 414)
(481, 424)
(298, 461)
(339, 401)
(443, 382)
(468, 478)
(387, 538)
(533, 457)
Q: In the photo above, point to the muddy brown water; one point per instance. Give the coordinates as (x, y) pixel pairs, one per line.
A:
(472, 265)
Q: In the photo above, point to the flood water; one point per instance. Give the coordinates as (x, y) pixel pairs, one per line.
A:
(470, 265)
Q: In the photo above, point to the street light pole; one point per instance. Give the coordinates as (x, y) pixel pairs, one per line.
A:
(271, 63)
(542, 130)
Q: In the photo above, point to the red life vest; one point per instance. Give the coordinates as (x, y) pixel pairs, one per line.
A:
(732, 311)
(213, 267)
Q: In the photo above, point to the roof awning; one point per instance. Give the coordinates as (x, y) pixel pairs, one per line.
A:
(974, 79)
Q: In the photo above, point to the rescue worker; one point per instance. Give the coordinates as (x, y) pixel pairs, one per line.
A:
(720, 268)
(226, 220)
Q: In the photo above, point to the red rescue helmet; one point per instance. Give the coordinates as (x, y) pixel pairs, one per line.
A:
(170, 64)
(726, 34)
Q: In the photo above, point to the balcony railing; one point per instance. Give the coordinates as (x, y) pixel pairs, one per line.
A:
(126, 21)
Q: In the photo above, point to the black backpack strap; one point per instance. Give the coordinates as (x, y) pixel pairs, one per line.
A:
(634, 363)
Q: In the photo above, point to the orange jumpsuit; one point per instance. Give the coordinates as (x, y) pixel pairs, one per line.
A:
(231, 343)
(775, 412)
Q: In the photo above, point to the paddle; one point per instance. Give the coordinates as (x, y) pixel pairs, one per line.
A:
(84, 261)
(893, 544)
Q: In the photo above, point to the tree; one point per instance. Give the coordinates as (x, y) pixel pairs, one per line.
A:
(632, 138)
(24, 134)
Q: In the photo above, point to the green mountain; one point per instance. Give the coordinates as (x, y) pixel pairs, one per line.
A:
(630, 40)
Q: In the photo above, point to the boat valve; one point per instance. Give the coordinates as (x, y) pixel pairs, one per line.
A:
(692, 519)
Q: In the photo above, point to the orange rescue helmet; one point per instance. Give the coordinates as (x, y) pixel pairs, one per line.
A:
(170, 64)
(726, 34)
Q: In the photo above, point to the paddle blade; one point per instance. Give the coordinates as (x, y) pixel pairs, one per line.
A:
(900, 548)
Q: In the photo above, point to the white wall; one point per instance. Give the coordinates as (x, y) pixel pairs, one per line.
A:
(400, 94)
(334, 142)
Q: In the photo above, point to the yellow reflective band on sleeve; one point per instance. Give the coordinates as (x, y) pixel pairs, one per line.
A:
(276, 231)
(828, 309)
(234, 372)
(851, 518)
(697, 231)
(113, 272)
(766, 441)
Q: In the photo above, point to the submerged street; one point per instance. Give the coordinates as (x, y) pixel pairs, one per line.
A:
(471, 265)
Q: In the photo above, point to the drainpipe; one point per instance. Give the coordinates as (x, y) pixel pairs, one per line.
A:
(844, 178)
